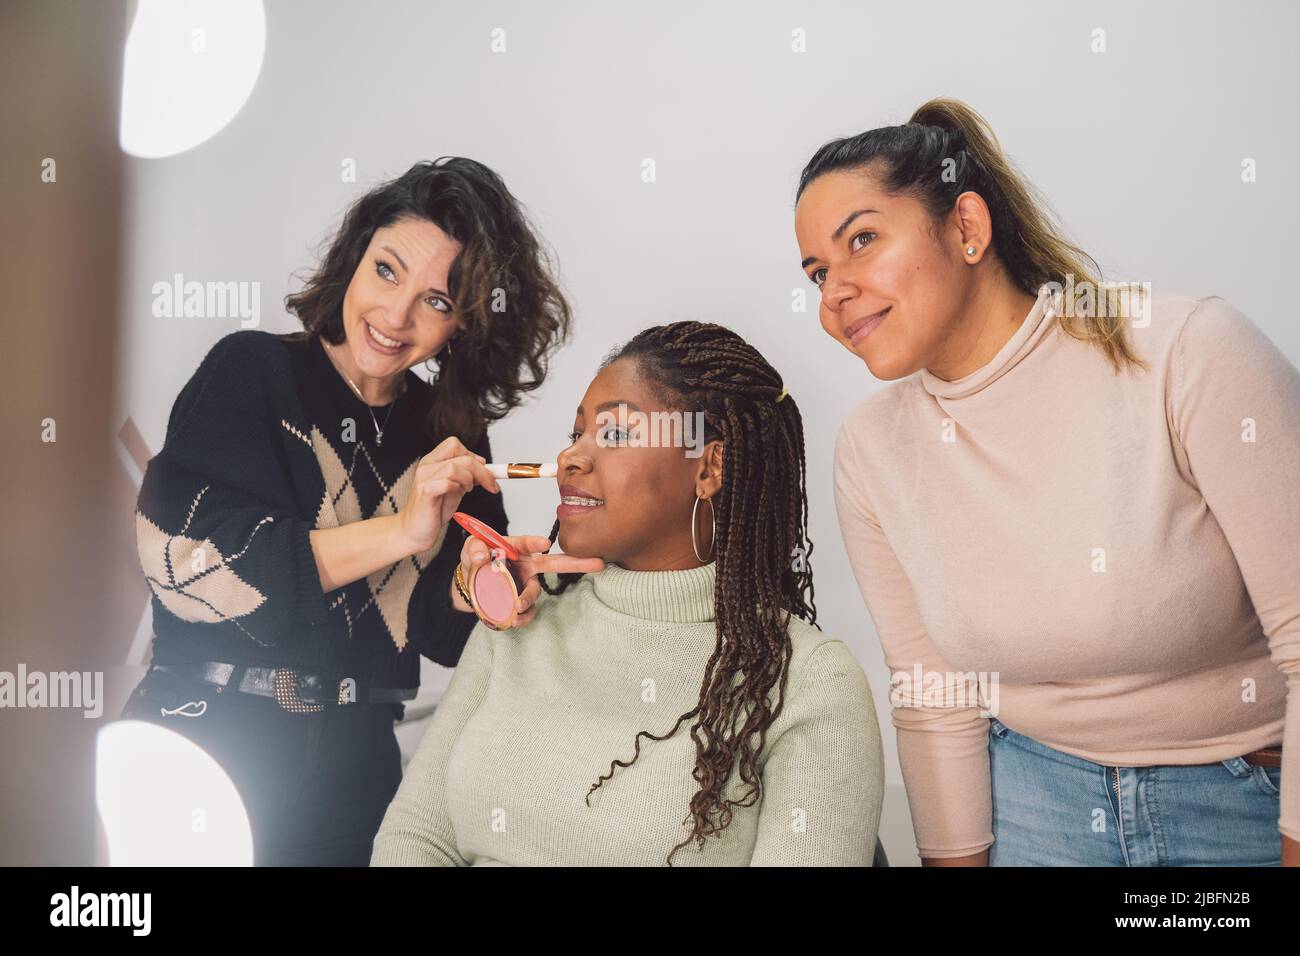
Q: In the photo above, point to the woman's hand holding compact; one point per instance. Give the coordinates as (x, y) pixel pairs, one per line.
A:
(533, 560)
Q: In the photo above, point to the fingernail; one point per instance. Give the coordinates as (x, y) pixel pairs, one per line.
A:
(478, 559)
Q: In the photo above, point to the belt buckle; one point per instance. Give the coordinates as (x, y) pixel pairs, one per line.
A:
(289, 685)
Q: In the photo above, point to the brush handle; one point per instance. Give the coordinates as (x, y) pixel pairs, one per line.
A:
(548, 470)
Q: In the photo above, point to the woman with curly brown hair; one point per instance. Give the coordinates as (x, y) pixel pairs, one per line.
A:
(702, 618)
(293, 529)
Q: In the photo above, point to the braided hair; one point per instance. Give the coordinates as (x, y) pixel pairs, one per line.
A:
(761, 545)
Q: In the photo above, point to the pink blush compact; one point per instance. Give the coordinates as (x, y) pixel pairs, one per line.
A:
(495, 587)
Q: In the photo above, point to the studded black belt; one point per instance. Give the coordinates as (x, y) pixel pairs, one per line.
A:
(299, 692)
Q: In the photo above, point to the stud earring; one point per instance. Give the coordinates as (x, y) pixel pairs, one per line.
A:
(970, 250)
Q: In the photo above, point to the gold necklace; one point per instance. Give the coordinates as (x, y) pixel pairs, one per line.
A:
(379, 432)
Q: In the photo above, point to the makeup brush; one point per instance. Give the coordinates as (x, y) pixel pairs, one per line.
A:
(548, 470)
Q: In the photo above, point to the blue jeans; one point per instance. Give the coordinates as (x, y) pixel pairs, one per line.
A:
(1054, 809)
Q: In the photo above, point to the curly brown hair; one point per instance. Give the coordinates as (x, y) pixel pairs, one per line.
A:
(515, 314)
(761, 519)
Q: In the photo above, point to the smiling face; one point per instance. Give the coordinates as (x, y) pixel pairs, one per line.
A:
(892, 292)
(646, 491)
(396, 311)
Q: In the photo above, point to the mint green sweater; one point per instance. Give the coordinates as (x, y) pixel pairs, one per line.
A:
(533, 716)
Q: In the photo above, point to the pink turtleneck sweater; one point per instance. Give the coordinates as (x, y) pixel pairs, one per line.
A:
(1122, 551)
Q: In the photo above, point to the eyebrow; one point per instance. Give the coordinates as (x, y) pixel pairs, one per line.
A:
(393, 252)
(835, 236)
(614, 404)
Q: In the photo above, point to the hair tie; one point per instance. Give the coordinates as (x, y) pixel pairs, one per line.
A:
(782, 395)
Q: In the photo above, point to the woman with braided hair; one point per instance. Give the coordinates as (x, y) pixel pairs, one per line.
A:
(699, 636)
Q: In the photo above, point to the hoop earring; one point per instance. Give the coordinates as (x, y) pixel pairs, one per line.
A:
(435, 370)
(713, 539)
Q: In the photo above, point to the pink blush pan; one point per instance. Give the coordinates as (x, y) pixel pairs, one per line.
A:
(495, 593)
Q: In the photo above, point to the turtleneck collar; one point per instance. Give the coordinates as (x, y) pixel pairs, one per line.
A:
(1035, 325)
(682, 597)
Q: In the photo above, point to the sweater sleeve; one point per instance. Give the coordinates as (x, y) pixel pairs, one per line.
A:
(438, 627)
(943, 750)
(824, 778)
(417, 828)
(1236, 415)
(218, 533)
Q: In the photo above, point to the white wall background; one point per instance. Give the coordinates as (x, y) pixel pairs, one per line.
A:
(1138, 148)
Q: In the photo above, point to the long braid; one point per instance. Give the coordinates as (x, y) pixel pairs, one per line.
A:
(762, 550)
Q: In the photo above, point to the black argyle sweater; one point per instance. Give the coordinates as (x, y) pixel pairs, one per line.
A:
(266, 442)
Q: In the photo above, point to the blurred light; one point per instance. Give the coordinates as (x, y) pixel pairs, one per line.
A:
(163, 801)
(189, 67)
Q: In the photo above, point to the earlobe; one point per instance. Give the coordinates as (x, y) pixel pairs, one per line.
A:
(708, 480)
(973, 223)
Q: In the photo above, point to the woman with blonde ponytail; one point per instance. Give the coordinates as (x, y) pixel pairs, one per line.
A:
(1074, 518)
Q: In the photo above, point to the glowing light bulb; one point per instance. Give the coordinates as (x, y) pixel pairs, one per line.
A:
(164, 801)
(188, 69)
